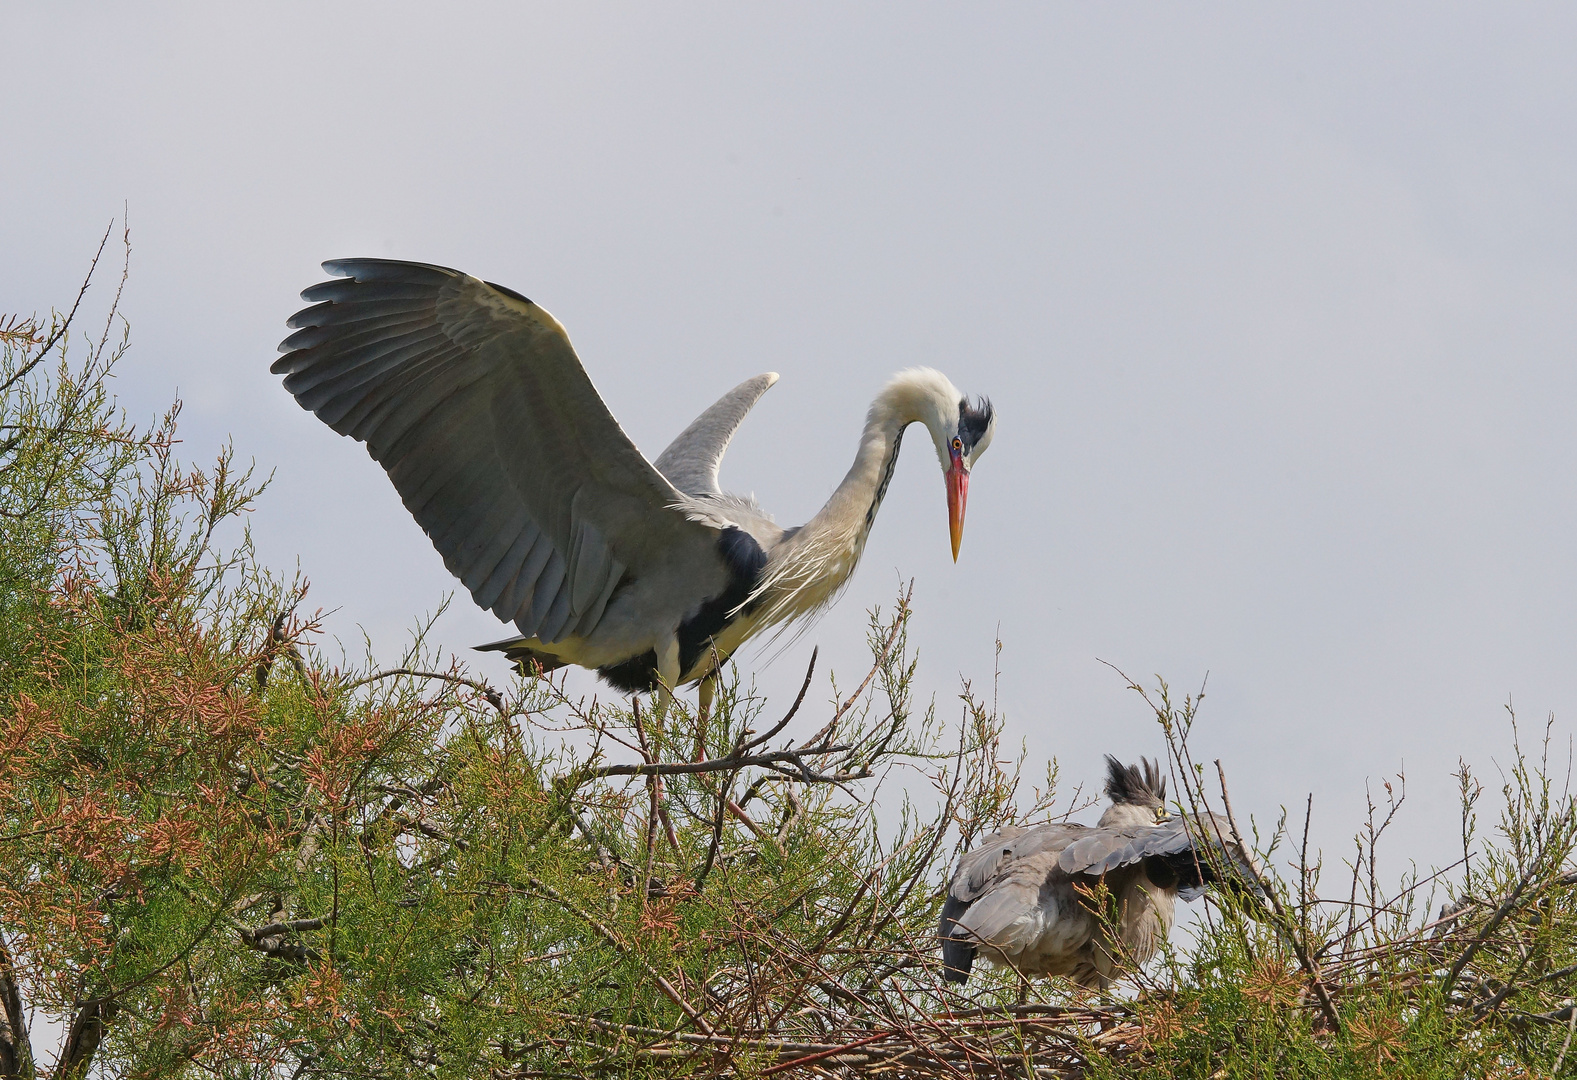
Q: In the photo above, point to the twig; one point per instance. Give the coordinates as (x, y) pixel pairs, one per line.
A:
(22, 372)
(829, 1052)
(1489, 928)
(1287, 927)
(776, 760)
(617, 942)
(887, 648)
(717, 834)
(1571, 1025)
(493, 697)
(794, 708)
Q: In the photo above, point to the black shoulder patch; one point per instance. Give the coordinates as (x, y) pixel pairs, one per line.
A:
(745, 561)
(1136, 785)
(507, 291)
(974, 419)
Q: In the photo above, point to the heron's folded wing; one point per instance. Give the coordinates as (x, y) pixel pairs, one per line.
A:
(999, 853)
(979, 865)
(1005, 917)
(473, 400)
(1009, 914)
(691, 461)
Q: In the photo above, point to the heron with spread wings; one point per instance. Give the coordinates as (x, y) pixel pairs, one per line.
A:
(1031, 899)
(473, 401)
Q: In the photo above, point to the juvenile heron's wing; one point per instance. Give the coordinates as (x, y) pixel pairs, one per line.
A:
(1198, 849)
(999, 881)
(978, 866)
(1102, 850)
(472, 399)
(691, 461)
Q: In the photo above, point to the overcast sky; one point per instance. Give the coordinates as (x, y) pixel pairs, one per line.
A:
(1276, 306)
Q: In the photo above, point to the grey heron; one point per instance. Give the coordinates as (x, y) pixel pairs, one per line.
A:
(1026, 898)
(472, 399)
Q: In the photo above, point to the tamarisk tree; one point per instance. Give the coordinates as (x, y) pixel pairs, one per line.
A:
(223, 854)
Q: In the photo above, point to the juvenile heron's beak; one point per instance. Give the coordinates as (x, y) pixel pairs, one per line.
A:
(957, 495)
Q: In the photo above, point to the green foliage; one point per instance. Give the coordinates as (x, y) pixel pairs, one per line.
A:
(1367, 983)
(221, 854)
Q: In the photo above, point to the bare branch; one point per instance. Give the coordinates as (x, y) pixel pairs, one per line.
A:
(65, 324)
(493, 697)
(1287, 926)
(16, 1049)
(776, 760)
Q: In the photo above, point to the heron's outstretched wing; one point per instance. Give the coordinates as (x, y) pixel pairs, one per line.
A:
(1099, 851)
(473, 400)
(1105, 849)
(691, 461)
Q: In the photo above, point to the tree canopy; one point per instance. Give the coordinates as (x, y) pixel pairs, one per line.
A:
(224, 852)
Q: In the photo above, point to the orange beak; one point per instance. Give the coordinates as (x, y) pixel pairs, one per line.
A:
(957, 495)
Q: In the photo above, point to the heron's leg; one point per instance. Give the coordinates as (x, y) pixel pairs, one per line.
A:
(703, 713)
(660, 707)
(667, 679)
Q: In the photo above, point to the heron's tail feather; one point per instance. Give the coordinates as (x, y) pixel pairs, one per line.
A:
(958, 953)
(958, 956)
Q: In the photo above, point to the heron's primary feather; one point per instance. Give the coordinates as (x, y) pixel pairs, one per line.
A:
(691, 461)
(473, 400)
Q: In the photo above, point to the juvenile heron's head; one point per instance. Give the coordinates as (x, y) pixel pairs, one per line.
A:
(1137, 792)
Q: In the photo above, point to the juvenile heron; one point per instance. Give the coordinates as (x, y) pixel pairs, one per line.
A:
(473, 401)
(1028, 898)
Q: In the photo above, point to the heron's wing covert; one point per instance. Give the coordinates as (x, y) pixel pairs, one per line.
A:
(984, 866)
(978, 866)
(1101, 850)
(691, 461)
(472, 399)
(1006, 880)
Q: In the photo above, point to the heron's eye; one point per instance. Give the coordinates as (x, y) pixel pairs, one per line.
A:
(958, 445)
(1160, 813)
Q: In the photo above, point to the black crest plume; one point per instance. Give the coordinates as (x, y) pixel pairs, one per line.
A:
(1137, 785)
(974, 419)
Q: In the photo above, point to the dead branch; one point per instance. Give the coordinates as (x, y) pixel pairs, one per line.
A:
(493, 697)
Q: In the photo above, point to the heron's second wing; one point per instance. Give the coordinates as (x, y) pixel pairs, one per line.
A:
(691, 461)
(1102, 850)
(1225, 860)
(472, 399)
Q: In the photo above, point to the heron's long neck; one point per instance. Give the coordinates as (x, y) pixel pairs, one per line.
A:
(814, 563)
(852, 508)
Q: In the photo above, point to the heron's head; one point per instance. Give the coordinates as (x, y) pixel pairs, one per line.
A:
(960, 429)
(1137, 792)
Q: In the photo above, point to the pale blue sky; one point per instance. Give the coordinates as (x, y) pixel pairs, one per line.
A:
(1276, 305)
